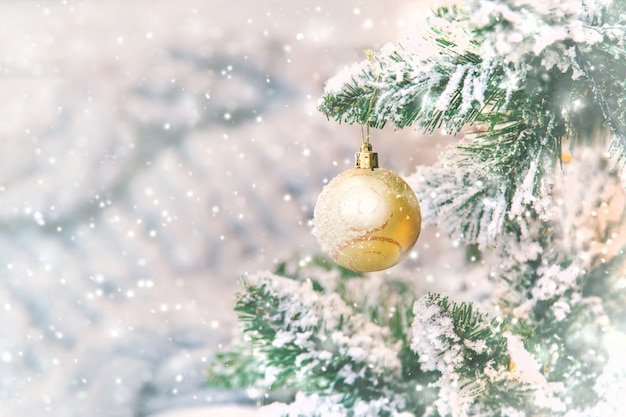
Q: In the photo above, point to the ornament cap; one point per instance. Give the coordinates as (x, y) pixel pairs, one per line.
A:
(366, 158)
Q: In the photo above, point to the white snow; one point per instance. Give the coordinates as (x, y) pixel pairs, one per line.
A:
(445, 98)
(433, 338)
(344, 76)
(526, 368)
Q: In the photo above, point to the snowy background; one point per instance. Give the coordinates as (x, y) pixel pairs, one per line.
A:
(152, 152)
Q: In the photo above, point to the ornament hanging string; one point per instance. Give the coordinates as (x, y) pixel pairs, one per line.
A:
(365, 135)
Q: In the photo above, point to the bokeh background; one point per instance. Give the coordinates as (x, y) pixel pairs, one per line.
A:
(151, 153)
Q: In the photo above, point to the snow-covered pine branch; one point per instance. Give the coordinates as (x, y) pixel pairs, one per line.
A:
(494, 368)
(550, 70)
(300, 333)
(482, 207)
(469, 351)
(399, 88)
(304, 332)
(477, 57)
(558, 284)
(565, 253)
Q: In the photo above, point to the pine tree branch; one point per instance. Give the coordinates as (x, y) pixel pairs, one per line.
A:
(236, 367)
(312, 341)
(487, 205)
(453, 337)
(470, 85)
(293, 337)
(407, 91)
(469, 352)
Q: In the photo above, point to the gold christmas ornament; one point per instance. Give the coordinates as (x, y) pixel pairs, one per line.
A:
(367, 218)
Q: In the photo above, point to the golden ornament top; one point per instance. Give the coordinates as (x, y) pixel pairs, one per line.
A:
(366, 158)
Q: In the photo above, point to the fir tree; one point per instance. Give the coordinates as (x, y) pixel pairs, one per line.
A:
(525, 79)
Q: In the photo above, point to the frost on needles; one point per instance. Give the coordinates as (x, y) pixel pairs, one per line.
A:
(527, 82)
(338, 339)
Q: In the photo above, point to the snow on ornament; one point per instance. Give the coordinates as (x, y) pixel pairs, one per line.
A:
(367, 218)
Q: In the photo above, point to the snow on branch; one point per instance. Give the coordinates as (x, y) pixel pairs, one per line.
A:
(307, 332)
(468, 351)
(340, 338)
(463, 204)
(480, 202)
(405, 90)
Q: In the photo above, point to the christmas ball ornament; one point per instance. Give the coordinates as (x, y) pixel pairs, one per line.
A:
(367, 218)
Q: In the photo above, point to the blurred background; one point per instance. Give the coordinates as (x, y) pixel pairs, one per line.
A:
(151, 153)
